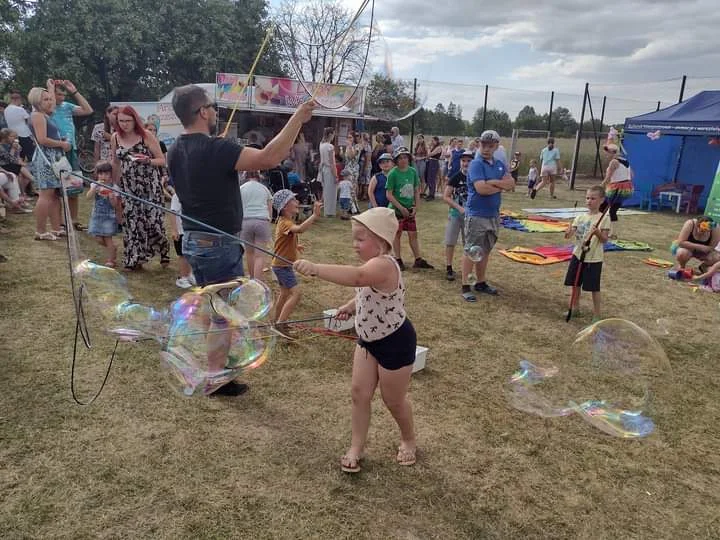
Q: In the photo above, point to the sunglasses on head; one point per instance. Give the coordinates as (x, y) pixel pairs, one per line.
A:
(212, 105)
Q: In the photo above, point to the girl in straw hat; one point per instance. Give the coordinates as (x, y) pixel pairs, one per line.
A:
(385, 351)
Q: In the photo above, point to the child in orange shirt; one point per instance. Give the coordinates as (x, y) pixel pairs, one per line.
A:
(286, 246)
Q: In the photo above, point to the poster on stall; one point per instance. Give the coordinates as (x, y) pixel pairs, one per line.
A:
(231, 87)
(712, 207)
(289, 93)
(161, 114)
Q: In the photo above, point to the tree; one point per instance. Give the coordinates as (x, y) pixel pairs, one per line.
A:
(563, 122)
(132, 56)
(312, 36)
(494, 119)
(388, 98)
(527, 118)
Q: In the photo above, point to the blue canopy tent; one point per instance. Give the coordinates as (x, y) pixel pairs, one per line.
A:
(682, 153)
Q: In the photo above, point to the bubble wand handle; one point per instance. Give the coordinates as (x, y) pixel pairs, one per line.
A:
(268, 35)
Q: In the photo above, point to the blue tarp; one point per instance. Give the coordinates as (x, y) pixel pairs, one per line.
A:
(682, 153)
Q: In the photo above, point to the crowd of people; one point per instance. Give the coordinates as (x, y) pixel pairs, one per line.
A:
(217, 182)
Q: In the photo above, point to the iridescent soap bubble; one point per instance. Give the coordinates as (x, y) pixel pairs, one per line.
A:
(203, 326)
(475, 253)
(251, 299)
(134, 320)
(521, 393)
(606, 376)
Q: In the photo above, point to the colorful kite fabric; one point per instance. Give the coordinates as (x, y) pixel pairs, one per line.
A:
(533, 224)
(545, 255)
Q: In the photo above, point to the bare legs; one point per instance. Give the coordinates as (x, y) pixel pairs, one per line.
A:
(367, 374)
(47, 207)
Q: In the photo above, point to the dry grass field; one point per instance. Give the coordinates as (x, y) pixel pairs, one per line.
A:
(143, 462)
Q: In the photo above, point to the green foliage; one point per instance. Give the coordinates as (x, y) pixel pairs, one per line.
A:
(494, 119)
(132, 50)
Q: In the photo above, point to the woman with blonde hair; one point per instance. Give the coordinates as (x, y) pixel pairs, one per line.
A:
(51, 147)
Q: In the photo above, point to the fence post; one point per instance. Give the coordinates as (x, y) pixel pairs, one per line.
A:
(577, 139)
(552, 99)
(484, 108)
(597, 146)
(682, 88)
(412, 121)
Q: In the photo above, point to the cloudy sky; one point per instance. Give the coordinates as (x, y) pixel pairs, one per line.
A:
(634, 51)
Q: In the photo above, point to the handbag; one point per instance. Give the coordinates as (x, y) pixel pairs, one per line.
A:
(71, 181)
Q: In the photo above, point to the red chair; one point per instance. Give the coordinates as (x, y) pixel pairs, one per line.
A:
(691, 198)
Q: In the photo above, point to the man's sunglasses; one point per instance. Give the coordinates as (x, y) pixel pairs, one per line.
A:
(212, 105)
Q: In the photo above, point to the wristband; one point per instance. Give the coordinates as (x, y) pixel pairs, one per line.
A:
(73, 93)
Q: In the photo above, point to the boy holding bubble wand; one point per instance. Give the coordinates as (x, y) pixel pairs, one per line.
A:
(585, 267)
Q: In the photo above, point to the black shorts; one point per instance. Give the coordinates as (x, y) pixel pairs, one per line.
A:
(27, 148)
(12, 167)
(589, 275)
(396, 350)
(178, 246)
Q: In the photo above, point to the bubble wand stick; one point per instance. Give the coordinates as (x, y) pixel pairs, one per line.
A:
(583, 252)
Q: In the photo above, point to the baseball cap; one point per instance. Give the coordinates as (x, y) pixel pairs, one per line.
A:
(385, 157)
(467, 154)
(490, 135)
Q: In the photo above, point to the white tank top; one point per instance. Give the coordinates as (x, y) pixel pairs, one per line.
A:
(621, 174)
(379, 314)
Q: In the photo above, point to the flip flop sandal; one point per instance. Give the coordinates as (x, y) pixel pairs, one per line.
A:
(469, 297)
(351, 460)
(406, 458)
(79, 227)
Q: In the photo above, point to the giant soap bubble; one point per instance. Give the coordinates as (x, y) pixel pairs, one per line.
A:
(606, 376)
(209, 336)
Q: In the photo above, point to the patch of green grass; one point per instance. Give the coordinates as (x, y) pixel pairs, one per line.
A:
(145, 462)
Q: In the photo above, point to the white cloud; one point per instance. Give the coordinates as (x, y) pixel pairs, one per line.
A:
(618, 47)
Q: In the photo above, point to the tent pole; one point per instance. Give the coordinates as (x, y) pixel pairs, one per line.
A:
(577, 139)
(412, 121)
(682, 88)
(679, 159)
(597, 149)
(484, 108)
(552, 99)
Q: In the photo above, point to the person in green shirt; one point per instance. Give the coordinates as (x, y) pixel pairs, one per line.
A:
(403, 192)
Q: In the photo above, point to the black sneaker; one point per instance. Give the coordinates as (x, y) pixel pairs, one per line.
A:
(485, 288)
(450, 276)
(401, 264)
(422, 263)
(533, 193)
(233, 389)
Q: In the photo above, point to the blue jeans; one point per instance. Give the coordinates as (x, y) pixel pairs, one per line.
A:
(213, 258)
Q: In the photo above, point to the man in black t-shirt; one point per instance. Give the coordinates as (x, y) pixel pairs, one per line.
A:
(455, 195)
(204, 172)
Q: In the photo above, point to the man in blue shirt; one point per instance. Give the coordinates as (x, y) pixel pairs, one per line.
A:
(487, 179)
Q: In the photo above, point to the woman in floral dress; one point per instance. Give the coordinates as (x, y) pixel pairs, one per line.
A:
(137, 159)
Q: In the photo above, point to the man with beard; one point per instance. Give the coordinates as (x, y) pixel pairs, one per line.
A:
(204, 172)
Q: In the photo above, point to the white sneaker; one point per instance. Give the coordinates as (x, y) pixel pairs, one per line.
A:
(183, 283)
(191, 279)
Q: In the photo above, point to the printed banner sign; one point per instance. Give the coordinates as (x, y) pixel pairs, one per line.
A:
(280, 92)
(231, 87)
